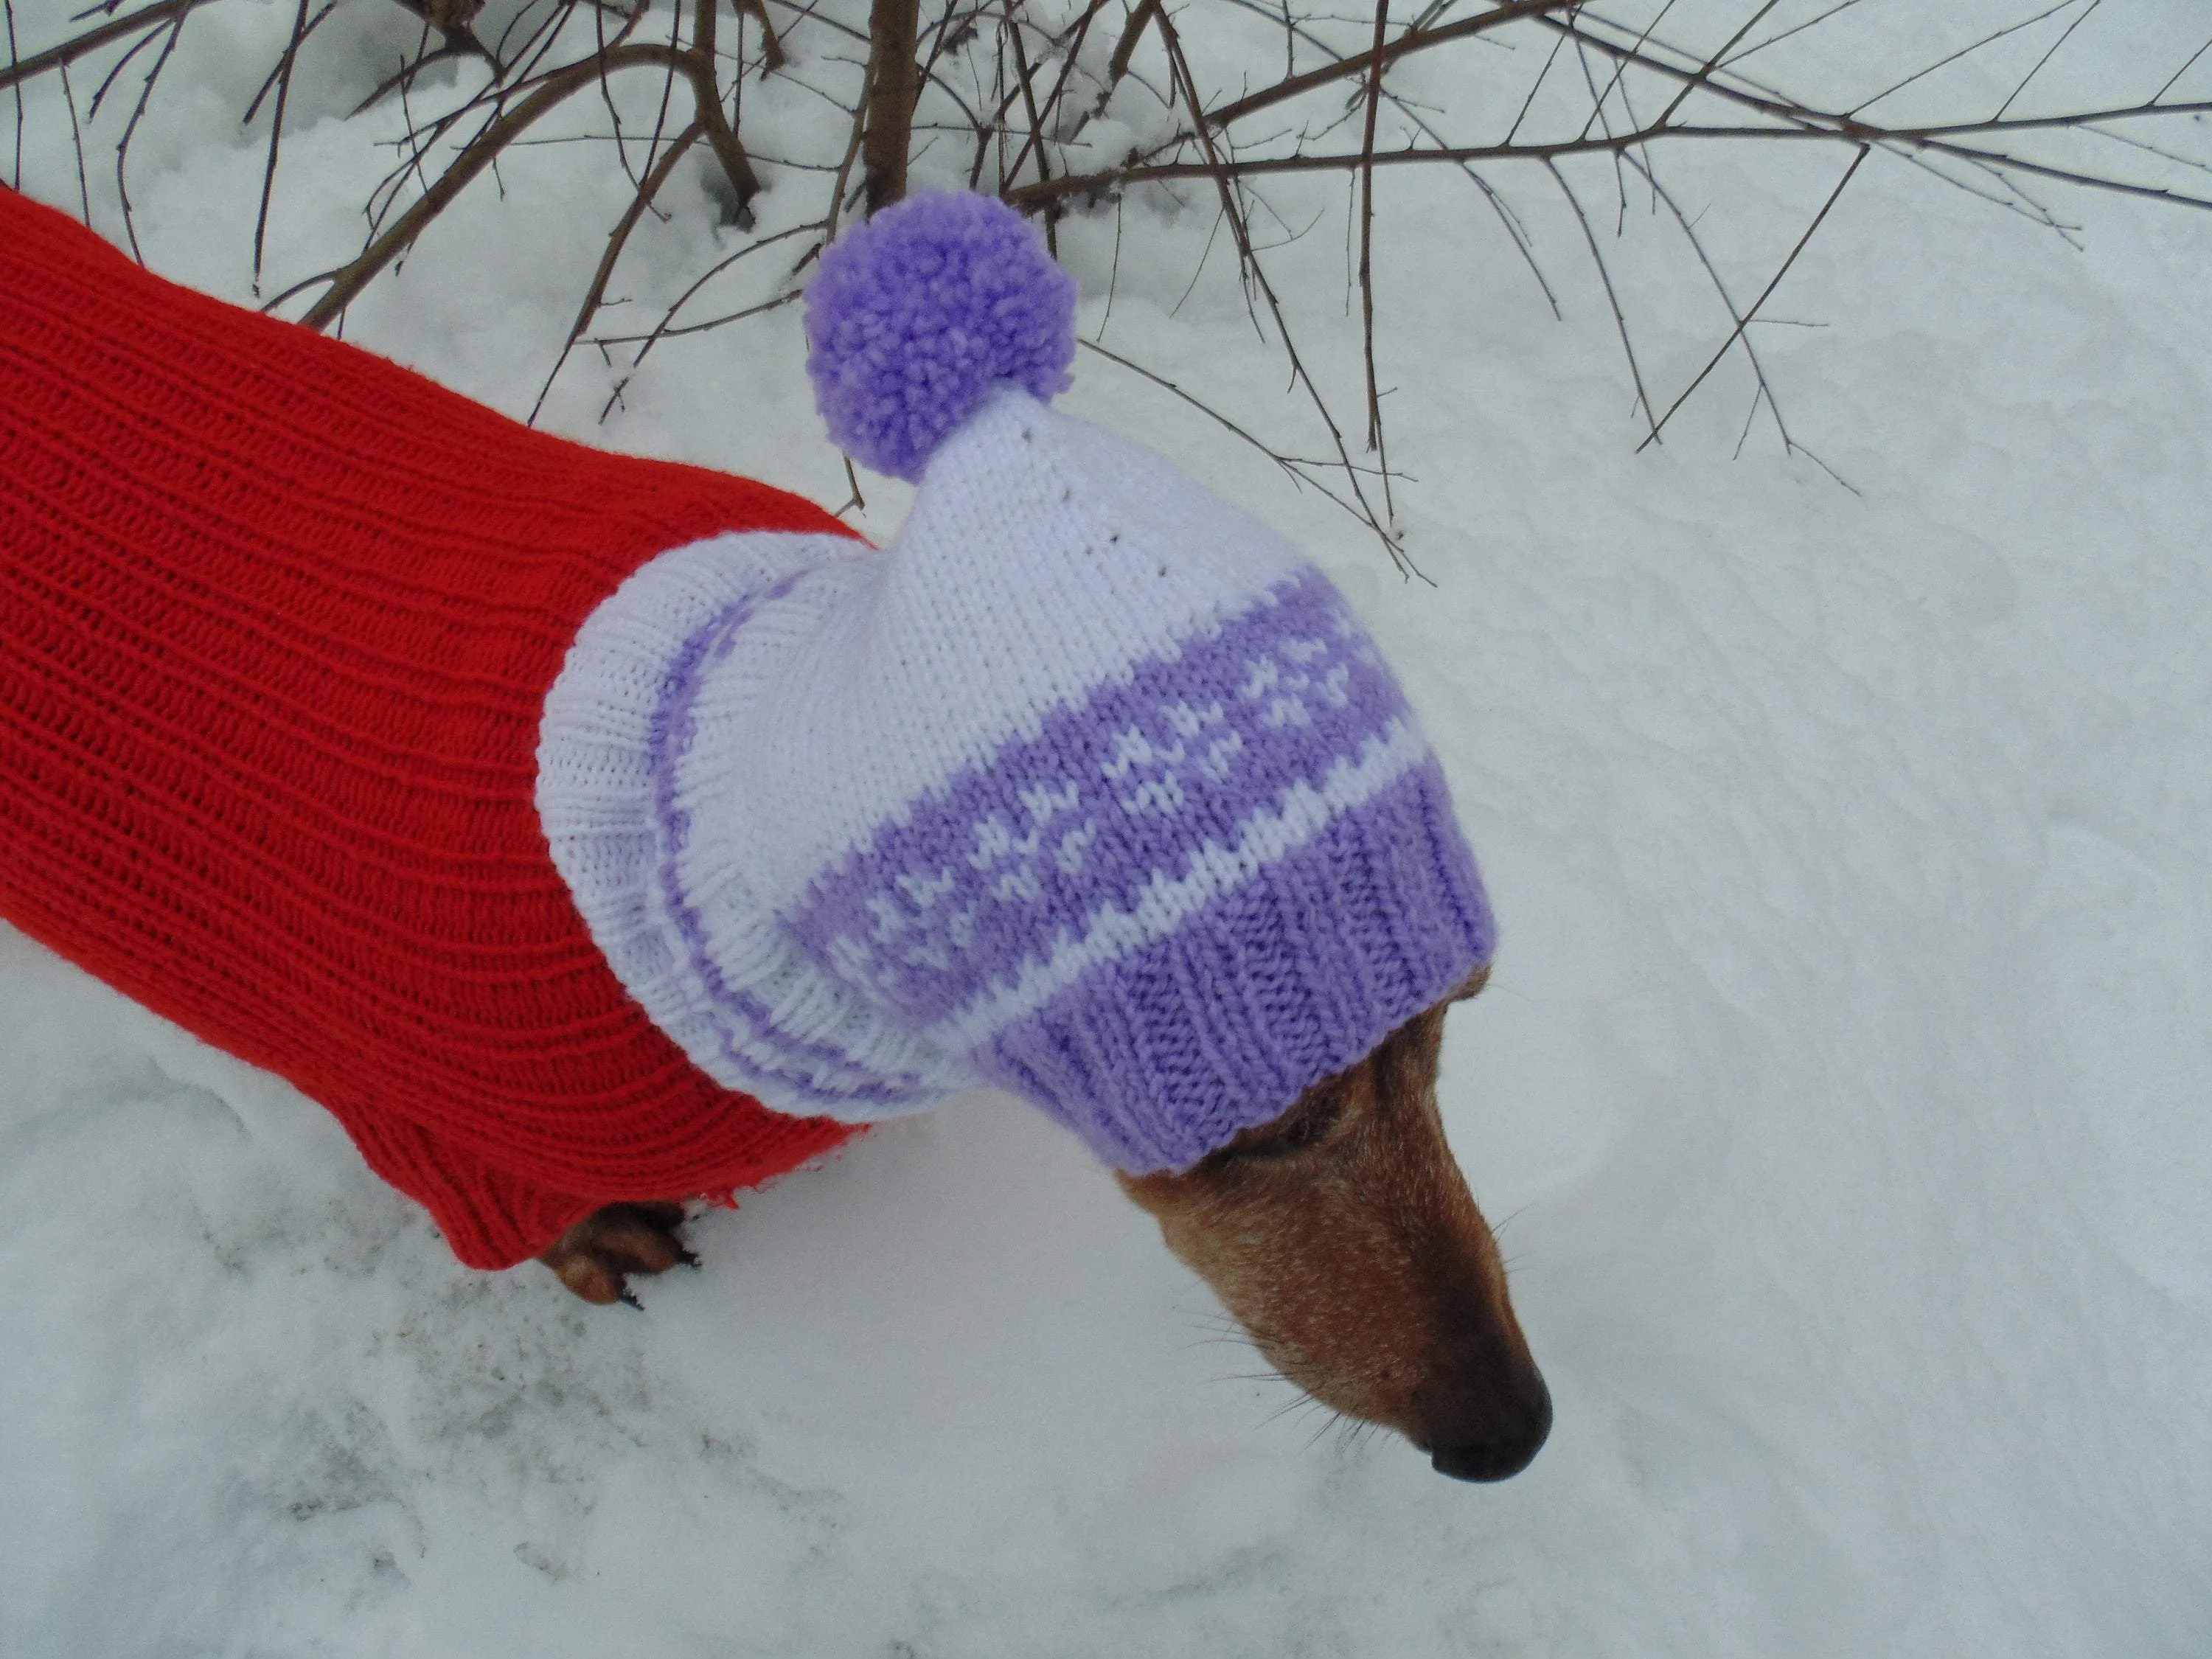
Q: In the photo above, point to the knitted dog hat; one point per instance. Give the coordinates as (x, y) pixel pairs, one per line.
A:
(1088, 786)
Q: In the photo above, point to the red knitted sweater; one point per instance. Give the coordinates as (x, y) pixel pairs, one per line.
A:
(276, 622)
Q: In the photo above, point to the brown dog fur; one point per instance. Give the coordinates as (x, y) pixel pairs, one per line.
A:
(1342, 1235)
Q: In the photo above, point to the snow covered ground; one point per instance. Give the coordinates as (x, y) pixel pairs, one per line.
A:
(1842, 1092)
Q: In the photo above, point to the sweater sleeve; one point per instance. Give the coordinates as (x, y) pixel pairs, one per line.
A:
(491, 1217)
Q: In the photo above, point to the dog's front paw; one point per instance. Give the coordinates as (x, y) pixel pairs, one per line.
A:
(595, 1257)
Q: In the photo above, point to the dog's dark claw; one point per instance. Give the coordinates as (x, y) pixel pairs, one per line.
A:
(596, 1257)
(628, 1298)
(689, 1259)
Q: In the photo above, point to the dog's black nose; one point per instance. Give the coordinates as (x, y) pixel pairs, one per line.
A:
(1496, 1458)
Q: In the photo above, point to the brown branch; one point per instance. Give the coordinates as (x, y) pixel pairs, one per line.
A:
(2056, 46)
(1599, 99)
(1766, 293)
(1705, 70)
(115, 71)
(176, 28)
(2188, 64)
(1125, 51)
(1301, 470)
(1514, 232)
(1255, 276)
(648, 187)
(7, 10)
(772, 58)
(76, 143)
(1605, 276)
(666, 329)
(1412, 41)
(722, 137)
(1765, 391)
(894, 37)
(1026, 80)
(839, 187)
(1806, 124)
(92, 40)
(348, 282)
(1367, 250)
(774, 303)
(1077, 37)
(1967, 50)
(301, 26)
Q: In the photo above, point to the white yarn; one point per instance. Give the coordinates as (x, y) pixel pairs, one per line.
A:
(598, 800)
(1301, 813)
(1042, 559)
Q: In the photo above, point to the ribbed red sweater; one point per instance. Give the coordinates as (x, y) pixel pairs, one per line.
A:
(277, 618)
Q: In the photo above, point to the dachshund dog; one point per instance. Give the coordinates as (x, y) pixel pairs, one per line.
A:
(331, 727)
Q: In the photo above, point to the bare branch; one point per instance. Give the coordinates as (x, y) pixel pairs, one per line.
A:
(1705, 71)
(1256, 278)
(8, 8)
(2087, 13)
(1413, 40)
(617, 239)
(283, 77)
(147, 17)
(1612, 298)
(1367, 252)
(1305, 472)
(1765, 294)
(176, 27)
(347, 282)
(1949, 58)
(893, 36)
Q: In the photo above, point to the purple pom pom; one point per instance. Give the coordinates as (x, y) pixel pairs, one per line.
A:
(915, 315)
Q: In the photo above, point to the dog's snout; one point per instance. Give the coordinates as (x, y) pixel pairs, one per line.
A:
(1497, 1455)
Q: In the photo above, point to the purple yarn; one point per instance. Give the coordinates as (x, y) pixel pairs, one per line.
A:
(914, 316)
(980, 877)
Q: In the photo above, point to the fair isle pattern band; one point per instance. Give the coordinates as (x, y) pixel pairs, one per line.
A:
(1291, 978)
(1172, 784)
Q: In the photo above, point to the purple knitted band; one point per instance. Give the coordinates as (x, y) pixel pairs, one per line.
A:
(1110, 797)
(1158, 1058)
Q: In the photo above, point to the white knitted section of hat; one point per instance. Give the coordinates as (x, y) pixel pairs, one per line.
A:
(1043, 557)
(702, 953)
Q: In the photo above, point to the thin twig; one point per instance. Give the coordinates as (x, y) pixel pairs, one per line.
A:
(16, 164)
(1773, 282)
(2066, 34)
(69, 51)
(647, 188)
(1256, 277)
(1509, 11)
(1612, 299)
(131, 128)
(1303, 471)
(299, 28)
(1705, 71)
(1367, 256)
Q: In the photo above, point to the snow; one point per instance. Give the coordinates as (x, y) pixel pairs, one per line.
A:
(1841, 1092)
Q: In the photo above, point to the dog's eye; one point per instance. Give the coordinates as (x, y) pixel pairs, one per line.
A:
(1311, 1127)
